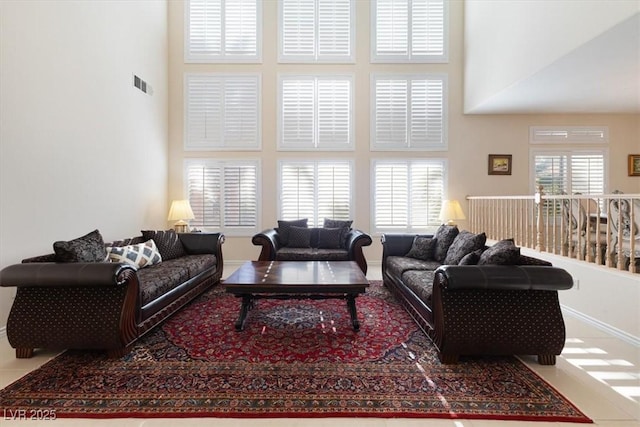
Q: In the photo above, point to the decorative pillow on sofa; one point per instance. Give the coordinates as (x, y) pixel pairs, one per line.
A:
(330, 238)
(471, 258)
(139, 256)
(464, 243)
(344, 225)
(167, 241)
(422, 248)
(505, 252)
(88, 248)
(444, 238)
(299, 237)
(283, 229)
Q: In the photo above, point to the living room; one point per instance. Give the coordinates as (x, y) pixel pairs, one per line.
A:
(83, 148)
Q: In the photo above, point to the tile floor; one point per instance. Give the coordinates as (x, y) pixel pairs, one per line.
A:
(599, 373)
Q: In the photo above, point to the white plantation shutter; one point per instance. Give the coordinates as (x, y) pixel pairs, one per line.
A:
(409, 112)
(570, 172)
(223, 31)
(224, 195)
(568, 134)
(407, 194)
(315, 113)
(409, 31)
(315, 190)
(222, 112)
(316, 30)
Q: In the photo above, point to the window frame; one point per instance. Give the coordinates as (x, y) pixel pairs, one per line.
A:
(221, 163)
(188, 145)
(192, 58)
(408, 57)
(315, 163)
(569, 152)
(281, 146)
(443, 145)
(408, 228)
(317, 58)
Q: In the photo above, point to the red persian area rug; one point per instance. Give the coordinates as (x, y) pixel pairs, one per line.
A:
(294, 359)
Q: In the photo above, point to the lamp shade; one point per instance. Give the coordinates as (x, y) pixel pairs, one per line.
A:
(451, 212)
(180, 210)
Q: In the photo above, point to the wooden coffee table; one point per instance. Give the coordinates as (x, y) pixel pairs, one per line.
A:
(297, 280)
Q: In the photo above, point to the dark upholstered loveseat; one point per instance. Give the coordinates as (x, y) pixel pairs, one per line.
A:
(107, 305)
(473, 309)
(313, 244)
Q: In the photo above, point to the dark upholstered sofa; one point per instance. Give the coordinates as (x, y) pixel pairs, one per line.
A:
(477, 300)
(294, 241)
(82, 301)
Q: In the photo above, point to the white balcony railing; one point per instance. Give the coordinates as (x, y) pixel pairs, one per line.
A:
(602, 228)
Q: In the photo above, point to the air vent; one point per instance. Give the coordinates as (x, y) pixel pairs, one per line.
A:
(142, 85)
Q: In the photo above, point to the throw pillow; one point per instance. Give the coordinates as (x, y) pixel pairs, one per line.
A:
(330, 238)
(299, 237)
(167, 241)
(505, 252)
(138, 256)
(471, 258)
(88, 248)
(444, 238)
(337, 223)
(283, 229)
(422, 248)
(464, 243)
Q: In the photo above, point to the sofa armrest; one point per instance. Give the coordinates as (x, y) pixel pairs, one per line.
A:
(45, 274)
(269, 241)
(398, 244)
(503, 277)
(355, 241)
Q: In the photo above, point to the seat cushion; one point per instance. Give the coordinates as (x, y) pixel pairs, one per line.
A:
(420, 282)
(311, 254)
(397, 265)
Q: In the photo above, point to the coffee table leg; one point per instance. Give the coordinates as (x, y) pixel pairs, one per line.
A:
(247, 302)
(351, 303)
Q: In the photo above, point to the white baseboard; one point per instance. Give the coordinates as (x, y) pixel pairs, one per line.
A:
(624, 336)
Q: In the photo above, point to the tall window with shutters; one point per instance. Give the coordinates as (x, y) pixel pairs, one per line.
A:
(223, 31)
(224, 195)
(569, 172)
(316, 31)
(408, 112)
(407, 194)
(315, 112)
(315, 190)
(409, 31)
(222, 111)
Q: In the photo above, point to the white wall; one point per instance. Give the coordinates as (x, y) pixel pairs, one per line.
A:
(80, 147)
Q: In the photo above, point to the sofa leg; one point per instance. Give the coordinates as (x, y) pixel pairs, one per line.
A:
(448, 359)
(547, 359)
(24, 353)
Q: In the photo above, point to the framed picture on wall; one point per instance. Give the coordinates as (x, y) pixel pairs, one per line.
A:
(634, 164)
(499, 164)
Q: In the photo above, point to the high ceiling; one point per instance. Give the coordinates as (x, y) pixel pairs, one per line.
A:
(599, 76)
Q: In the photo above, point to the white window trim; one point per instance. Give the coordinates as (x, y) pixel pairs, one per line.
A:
(230, 231)
(372, 191)
(399, 59)
(203, 147)
(443, 146)
(326, 147)
(535, 151)
(293, 59)
(569, 135)
(315, 163)
(208, 59)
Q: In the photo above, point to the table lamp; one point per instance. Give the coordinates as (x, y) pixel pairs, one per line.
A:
(181, 212)
(451, 212)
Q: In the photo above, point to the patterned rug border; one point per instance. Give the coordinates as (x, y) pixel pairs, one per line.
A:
(278, 413)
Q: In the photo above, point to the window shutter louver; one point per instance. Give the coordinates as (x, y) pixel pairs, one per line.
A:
(315, 113)
(222, 112)
(223, 31)
(316, 31)
(224, 195)
(409, 31)
(410, 112)
(570, 173)
(587, 173)
(408, 194)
